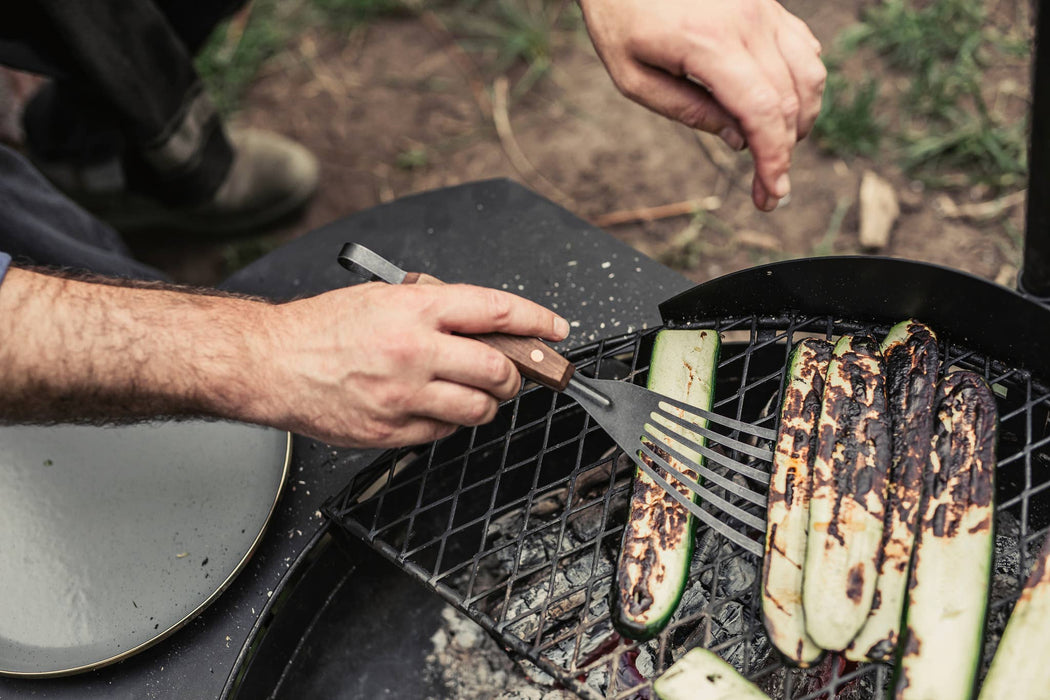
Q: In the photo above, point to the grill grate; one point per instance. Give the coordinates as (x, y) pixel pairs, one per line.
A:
(518, 523)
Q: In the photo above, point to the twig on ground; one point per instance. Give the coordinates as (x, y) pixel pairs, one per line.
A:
(662, 211)
(517, 157)
(980, 211)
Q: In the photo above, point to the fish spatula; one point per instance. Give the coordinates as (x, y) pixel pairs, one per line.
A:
(647, 426)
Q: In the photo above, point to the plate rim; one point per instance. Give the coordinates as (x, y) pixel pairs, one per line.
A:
(172, 629)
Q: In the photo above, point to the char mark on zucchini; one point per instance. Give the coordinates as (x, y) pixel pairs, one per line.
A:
(787, 516)
(950, 576)
(657, 544)
(848, 504)
(912, 360)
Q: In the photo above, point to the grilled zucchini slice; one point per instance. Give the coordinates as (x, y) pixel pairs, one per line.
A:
(787, 517)
(703, 675)
(657, 542)
(951, 567)
(847, 507)
(912, 360)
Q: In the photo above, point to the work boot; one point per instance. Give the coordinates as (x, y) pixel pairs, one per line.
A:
(270, 177)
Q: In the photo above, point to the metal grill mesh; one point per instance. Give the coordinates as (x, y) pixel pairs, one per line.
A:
(518, 523)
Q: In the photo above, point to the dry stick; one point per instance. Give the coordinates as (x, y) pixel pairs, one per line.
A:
(517, 157)
(981, 211)
(668, 211)
(663, 211)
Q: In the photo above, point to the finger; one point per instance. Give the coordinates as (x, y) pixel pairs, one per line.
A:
(449, 402)
(802, 29)
(807, 72)
(739, 83)
(464, 308)
(474, 364)
(761, 197)
(774, 67)
(681, 100)
(418, 430)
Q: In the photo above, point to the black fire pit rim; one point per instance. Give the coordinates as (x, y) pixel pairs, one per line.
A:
(980, 314)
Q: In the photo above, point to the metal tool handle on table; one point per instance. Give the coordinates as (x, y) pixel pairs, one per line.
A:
(628, 413)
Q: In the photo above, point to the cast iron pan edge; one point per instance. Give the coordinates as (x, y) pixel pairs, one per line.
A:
(972, 311)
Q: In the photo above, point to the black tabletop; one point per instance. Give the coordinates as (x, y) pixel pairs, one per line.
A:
(494, 233)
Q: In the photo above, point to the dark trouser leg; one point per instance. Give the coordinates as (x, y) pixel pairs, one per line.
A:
(40, 226)
(125, 88)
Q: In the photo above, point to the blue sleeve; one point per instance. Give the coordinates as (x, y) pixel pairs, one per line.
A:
(5, 263)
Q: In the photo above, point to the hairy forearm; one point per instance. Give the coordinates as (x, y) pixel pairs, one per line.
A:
(373, 365)
(73, 350)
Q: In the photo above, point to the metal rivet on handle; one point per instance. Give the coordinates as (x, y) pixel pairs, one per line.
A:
(536, 356)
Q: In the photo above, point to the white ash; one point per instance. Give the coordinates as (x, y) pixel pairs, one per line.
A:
(469, 665)
(645, 663)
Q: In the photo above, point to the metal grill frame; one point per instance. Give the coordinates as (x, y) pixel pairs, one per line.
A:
(434, 559)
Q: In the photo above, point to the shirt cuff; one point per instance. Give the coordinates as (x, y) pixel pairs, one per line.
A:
(5, 264)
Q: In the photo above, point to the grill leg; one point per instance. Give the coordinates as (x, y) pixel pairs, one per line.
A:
(1035, 273)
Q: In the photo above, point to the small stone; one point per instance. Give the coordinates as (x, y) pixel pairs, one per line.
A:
(879, 210)
(1007, 276)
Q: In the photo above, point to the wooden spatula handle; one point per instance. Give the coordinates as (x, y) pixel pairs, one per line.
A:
(533, 358)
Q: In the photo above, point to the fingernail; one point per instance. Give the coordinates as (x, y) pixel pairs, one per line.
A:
(561, 327)
(770, 204)
(732, 137)
(783, 186)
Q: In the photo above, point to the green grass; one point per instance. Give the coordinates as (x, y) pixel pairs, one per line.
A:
(230, 61)
(847, 124)
(939, 126)
(505, 35)
(935, 44)
(413, 159)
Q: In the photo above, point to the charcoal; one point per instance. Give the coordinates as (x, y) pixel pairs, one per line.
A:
(693, 602)
(1007, 554)
(732, 622)
(587, 524)
(708, 543)
(521, 694)
(560, 695)
(598, 679)
(533, 551)
(738, 576)
(535, 674)
(505, 527)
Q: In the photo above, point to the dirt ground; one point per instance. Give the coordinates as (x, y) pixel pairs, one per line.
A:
(362, 100)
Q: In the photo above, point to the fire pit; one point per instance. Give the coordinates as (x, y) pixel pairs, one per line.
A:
(518, 524)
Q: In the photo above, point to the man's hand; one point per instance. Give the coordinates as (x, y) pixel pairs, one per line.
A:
(748, 70)
(379, 365)
(374, 365)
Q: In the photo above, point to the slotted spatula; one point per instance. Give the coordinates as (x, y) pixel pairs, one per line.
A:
(647, 426)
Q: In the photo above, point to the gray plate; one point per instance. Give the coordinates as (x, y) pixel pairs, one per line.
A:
(113, 538)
